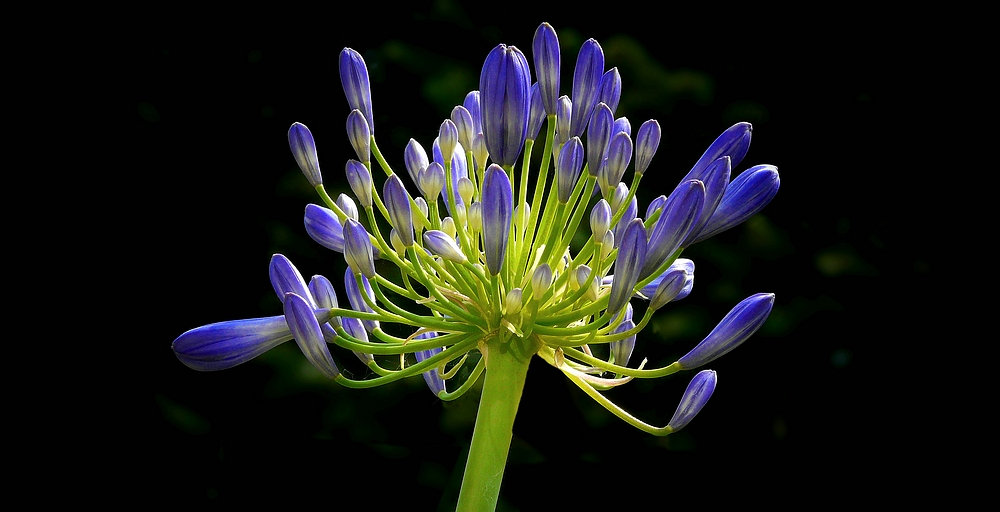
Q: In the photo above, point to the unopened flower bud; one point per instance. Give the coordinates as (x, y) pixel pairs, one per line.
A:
(735, 328)
(300, 140)
(698, 391)
(360, 181)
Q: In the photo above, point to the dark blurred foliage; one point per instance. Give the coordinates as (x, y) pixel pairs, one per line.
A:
(799, 405)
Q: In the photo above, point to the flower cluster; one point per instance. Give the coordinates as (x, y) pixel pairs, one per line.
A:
(469, 251)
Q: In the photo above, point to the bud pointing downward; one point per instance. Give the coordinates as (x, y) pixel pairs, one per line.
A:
(737, 326)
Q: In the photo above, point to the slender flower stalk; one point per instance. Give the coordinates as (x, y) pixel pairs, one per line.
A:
(491, 263)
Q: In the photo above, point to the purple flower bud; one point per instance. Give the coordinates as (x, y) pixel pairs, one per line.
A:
(459, 168)
(324, 294)
(541, 280)
(569, 163)
(745, 196)
(415, 159)
(303, 146)
(622, 125)
(564, 116)
(619, 156)
(598, 137)
(698, 391)
(441, 244)
(431, 377)
(600, 219)
(479, 150)
(498, 206)
(655, 204)
(285, 278)
(646, 143)
(504, 86)
(716, 179)
(735, 328)
(358, 249)
(348, 206)
(357, 87)
(359, 135)
(431, 181)
(472, 104)
(586, 85)
(536, 113)
(356, 328)
(611, 88)
(397, 203)
(669, 287)
(622, 349)
(360, 181)
(681, 211)
(357, 300)
(630, 213)
(545, 52)
(733, 143)
(324, 227)
(447, 139)
(308, 335)
(224, 345)
(463, 122)
(631, 255)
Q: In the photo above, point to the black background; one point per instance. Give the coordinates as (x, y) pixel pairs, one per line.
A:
(805, 404)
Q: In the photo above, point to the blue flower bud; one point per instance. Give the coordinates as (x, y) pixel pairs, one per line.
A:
(498, 207)
(303, 147)
(545, 53)
(459, 167)
(536, 113)
(358, 249)
(397, 203)
(630, 213)
(224, 345)
(698, 391)
(541, 280)
(569, 163)
(646, 143)
(598, 137)
(564, 116)
(359, 135)
(415, 159)
(745, 196)
(431, 181)
(356, 328)
(735, 328)
(622, 349)
(734, 143)
(631, 255)
(472, 104)
(611, 88)
(669, 286)
(586, 85)
(463, 122)
(323, 226)
(600, 219)
(504, 86)
(655, 204)
(357, 87)
(448, 139)
(619, 156)
(348, 206)
(360, 181)
(324, 294)
(431, 377)
(357, 300)
(716, 179)
(308, 335)
(681, 211)
(441, 244)
(285, 278)
(682, 267)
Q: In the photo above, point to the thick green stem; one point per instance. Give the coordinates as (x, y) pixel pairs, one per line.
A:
(506, 367)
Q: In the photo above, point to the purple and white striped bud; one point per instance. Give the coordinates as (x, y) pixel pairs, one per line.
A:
(397, 203)
(598, 137)
(622, 125)
(564, 116)
(223, 345)
(447, 140)
(354, 327)
(734, 143)
(285, 278)
(472, 104)
(463, 122)
(441, 244)
(631, 255)
(681, 211)
(415, 159)
(631, 211)
(300, 140)
(358, 249)
(418, 222)
(357, 87)
(479, 150)
(541, 280)
(359, 135)
(735, 328)
(546, 56)
(326, 297)
(646, 143)
(698, 391)
(431, 377)
(600, 219)
(459, 168)
(431, 181)
(619, 156)
(655, 204)
(504, 86)
(622, 349)
(586, 85)
(611, 88)
(360, 181)
(308, 335)
(348, 206)
(323, 226)
(569, 164)
(669, 286)
(358, 301)
(498, 208)
(536, 113)
(745, 196)
(685, 267)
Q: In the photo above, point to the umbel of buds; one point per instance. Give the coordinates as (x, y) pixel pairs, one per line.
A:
(474, 246)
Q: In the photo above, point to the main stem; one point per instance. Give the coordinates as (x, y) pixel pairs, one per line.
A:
(506, 368)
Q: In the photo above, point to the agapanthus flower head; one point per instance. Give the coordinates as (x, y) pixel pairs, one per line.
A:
(489, 264)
